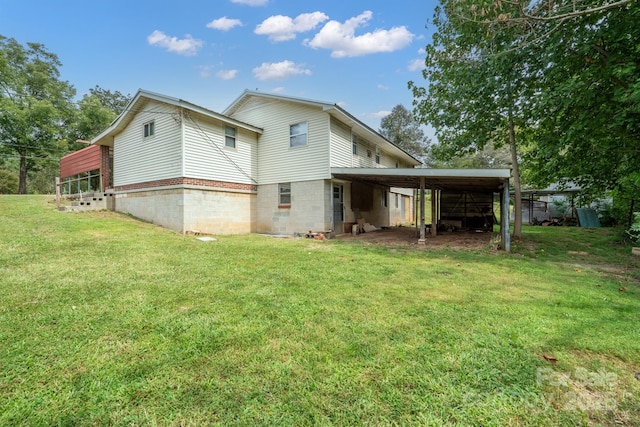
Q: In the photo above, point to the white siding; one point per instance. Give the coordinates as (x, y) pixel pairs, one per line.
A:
(341, 146)
(366, 157)
(206, 157)
(139, 159)
(278, 162)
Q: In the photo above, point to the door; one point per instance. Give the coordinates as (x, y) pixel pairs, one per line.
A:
(338, 209)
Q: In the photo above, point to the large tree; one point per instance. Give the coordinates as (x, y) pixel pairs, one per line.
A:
(478, 90)
(35, 105)
(97, 110)
(585, 79)
(588, 108)
(400, 127)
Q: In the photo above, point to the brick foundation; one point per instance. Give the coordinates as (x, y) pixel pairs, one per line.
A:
(188, 181)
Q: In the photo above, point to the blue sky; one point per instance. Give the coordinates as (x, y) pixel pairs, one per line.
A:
(359, 54)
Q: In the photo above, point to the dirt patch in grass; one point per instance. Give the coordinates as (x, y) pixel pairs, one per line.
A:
(407, 236)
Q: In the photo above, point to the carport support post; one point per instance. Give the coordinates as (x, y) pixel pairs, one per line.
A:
(504, 217)
(422, 240)
(434, 211)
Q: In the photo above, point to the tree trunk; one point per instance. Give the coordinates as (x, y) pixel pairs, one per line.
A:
(517, 199)
(22, 183)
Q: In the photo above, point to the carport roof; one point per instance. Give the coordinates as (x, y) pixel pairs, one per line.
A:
(480, 180)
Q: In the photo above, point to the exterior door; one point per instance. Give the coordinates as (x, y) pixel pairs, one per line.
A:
(338, 209)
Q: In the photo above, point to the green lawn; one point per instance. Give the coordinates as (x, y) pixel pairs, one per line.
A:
(105, 320)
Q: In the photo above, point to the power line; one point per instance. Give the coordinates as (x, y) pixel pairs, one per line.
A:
(53, 159)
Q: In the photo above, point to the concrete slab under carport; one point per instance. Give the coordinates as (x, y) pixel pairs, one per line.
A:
(480, 180)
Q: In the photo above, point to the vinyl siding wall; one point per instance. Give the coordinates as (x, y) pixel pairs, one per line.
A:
(341, 147)
(278, 161)
(207, 157)
(157, 157)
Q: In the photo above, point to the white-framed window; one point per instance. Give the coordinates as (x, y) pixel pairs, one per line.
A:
(149, 129)
(230, 137)
(397, 201)
(377, 155)
(298, 134)
(354, 142)
(284, 194)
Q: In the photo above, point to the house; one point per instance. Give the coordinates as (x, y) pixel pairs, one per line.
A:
(276, 164)
(264, 165)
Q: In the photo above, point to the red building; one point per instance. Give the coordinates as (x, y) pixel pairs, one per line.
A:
(86, 170)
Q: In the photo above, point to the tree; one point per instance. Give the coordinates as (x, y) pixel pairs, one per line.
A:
(479, 89)
(400, 128)
(114, 101)
(8, 182)
(96, 111)
(586, 104)
(588, 113)
(35, 105)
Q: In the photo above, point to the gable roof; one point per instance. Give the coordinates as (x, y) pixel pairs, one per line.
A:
(334, 110)
(138, 104)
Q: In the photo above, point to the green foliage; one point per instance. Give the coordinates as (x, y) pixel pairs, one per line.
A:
(400, 128)
(478, 91)
(96, 111)
(633, 232)
(8, 182)
(36, 106)
(42, 179)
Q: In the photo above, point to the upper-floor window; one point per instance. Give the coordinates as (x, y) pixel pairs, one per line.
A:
(377, 155)
(149, 129)
(230, 137)
(354, 142)
(298, 134)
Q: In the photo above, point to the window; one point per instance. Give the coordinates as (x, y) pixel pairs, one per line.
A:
(298, 134)
(354, 141)
(384, 199)
(149, 129)
(284, 194)
(377, 155)
(230, 137)
(397, 201)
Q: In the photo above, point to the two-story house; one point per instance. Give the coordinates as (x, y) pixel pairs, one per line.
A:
(264, 165)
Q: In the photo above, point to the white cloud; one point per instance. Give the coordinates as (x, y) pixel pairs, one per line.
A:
(341, 38)
(224, 24)
(422, 51)
(278, 89)
(416, 64)
(251, 2)
(382, 87)
(279, 70)
(227, 74)
(187, 46)
(379, 114)
(281, 28)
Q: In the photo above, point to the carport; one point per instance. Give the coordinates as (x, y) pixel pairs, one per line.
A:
(438, 180)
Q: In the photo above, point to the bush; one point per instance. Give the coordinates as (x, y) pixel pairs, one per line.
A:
(8, 182)
(633, 233)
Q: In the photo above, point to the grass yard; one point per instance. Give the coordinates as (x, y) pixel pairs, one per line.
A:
(105, 320)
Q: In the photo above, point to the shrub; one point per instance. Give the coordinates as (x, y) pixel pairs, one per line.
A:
(8, 182)
(633, 233)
